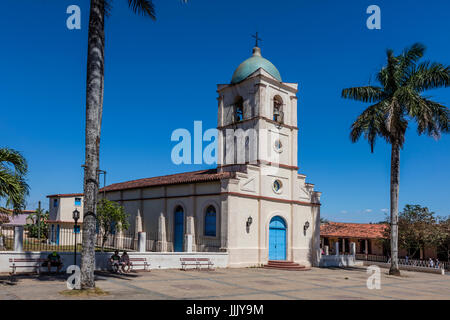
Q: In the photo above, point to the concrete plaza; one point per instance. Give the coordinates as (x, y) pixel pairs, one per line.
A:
(239, 284)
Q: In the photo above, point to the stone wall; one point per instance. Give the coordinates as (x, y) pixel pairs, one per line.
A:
(157, 260)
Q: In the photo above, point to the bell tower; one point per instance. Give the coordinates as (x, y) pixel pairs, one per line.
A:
(257, 117)
(257, 143)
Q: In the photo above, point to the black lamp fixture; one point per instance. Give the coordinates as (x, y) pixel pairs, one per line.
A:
(249, 221)
(76, 215)
(306, 226)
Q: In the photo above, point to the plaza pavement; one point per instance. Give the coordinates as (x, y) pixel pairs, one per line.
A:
(239, 284)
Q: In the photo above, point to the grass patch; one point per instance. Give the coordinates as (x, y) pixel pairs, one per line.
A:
(96, 292)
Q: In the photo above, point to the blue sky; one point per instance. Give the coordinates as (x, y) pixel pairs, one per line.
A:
(162, 75)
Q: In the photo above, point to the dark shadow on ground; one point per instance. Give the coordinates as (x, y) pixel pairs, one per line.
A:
(62, 276)
(43, 276)
(361, 270)
(101, 275)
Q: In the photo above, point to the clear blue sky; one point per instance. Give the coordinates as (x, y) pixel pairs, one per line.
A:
(162, 75)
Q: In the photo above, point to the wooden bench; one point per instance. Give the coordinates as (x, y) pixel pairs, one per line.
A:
(139, 262)
(197, 262)
(35, 263)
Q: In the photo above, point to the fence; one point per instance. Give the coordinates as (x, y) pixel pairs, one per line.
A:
(63, 239)
(406, 262)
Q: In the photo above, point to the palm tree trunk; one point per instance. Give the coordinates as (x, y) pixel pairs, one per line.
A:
(395, 172)
(94, 105)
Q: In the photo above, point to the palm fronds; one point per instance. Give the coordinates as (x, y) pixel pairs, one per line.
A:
(13, 186)
(402, 80)
(144, 7)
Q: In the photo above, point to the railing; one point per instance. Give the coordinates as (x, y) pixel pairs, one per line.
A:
(63, 239)
(371, 257)
(406, 262)
(58, 240)
(124, 240)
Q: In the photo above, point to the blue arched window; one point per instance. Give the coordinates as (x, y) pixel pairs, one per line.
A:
(210, 222)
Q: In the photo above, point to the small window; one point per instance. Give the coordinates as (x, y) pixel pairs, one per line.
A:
(78, 201)
(277, 186)
(238, 109)
(55, 203)
(277, 109)
(210, 222)
(278, 145)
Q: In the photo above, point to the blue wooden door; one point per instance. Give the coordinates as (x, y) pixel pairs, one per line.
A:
(52, 234)
(277, 239)
(178, 230)
(57, 234)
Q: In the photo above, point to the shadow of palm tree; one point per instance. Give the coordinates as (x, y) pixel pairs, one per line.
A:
(107, 274)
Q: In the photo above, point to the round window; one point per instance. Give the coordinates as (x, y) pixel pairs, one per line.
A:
(277, 185)
(278, 146)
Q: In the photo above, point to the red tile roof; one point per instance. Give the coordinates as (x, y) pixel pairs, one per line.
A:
(179, 178)
(353, 230)
(63, 195)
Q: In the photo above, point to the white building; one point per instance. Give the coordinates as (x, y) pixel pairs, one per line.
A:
(257, 208)
(60, 222)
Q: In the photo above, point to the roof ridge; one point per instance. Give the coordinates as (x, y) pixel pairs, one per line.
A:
(167, 175)
(203, 175)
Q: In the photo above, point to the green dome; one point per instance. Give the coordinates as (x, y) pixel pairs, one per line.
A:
(252, 64)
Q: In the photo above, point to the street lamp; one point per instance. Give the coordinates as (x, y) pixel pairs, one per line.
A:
(99, 172)
(305, 227)
(75, 216)
(249, 222)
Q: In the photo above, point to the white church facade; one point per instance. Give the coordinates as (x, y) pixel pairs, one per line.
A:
(255, 205)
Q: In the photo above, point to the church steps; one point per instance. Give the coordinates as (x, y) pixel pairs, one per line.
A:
(285, 265)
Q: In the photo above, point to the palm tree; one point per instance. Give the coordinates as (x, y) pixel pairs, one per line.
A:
(13, 187)
(94, 109)
(397, 100)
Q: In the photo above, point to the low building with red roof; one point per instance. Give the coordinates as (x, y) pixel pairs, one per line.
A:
(366, 236)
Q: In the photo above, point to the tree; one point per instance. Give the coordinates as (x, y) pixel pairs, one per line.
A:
(37, 226)
(397, 100)
(94, 110)
(417, 229)
(444, 241)
(111, 217)
(13, 187)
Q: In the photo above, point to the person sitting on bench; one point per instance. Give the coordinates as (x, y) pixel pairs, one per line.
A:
(54, 260)
(115, 261)
(125, 262)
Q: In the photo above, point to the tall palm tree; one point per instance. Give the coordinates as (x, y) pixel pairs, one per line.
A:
(397, 100)
(94, 109)
(13, 187)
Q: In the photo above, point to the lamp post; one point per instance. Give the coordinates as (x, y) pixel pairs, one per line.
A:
(305, 227)
(248, 223)
(75, 216)
(99, 172)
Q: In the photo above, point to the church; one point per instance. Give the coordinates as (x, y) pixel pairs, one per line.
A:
(254, 205)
